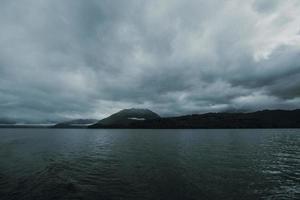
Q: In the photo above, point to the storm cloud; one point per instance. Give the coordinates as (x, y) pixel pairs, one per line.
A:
(79, 58)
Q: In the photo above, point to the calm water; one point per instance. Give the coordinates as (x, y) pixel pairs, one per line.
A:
(149, 164)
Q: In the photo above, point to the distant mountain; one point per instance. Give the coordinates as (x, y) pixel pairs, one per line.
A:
(4, 121)
(126, 117)
(260, 119)
(76, 123)
(18, 123)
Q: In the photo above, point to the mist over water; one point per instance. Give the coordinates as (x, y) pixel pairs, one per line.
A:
(149, 164)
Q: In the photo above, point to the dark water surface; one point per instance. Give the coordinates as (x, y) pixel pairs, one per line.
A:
(149, 164)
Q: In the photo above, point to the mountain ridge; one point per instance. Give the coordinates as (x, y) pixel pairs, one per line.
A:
(257, 119)
(134, 118)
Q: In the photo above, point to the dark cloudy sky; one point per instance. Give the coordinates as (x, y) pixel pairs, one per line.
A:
(90, 58)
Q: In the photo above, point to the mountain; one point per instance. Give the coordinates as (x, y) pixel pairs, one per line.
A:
(126, 117)
(259, 119)
(76, 123)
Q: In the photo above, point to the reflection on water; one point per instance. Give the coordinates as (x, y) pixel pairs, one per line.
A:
(149, 164)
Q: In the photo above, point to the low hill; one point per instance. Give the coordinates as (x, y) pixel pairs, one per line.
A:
(76, 123)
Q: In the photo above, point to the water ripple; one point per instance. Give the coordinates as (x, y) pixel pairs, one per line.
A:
(150, 164)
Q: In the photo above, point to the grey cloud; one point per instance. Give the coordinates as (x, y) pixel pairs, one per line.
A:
(64, 58)
(265, 5)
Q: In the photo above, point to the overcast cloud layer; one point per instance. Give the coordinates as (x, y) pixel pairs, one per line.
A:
(79, 58)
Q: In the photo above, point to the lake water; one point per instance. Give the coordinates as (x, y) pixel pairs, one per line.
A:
(149, 164)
